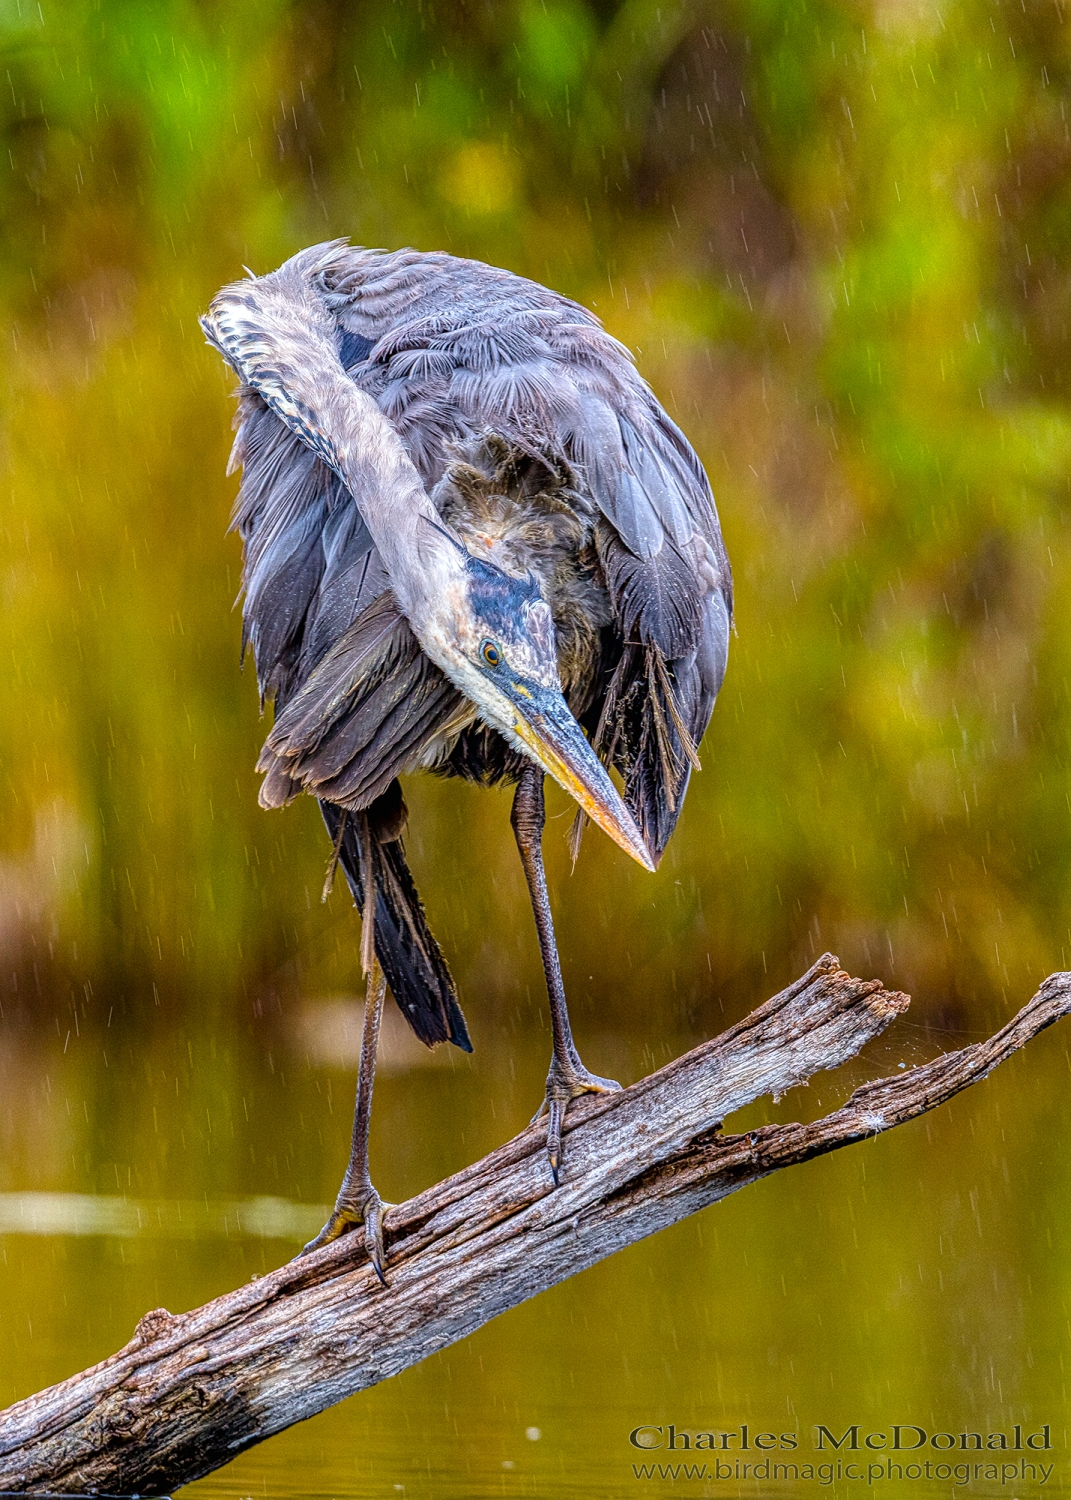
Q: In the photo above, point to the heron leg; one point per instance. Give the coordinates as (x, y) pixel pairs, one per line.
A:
(358, 1203)
(568, 1078)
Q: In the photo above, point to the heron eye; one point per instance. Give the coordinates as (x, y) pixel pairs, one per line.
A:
(491, 654)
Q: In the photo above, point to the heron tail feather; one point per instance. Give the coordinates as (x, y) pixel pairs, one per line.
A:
(408, 953)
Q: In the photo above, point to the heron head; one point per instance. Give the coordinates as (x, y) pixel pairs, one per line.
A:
(502, 654)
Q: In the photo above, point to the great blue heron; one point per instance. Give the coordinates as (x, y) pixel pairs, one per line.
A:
(470, 533)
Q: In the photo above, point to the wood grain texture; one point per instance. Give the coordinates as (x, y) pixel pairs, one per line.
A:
(190, 1392)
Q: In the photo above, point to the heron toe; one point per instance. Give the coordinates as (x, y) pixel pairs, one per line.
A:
(563, 1085)
(364, 1212)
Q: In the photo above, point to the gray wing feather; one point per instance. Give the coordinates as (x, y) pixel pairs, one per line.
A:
(309, 564)
(280, 512)
(365, 714)
(352, 575)
(654, 599)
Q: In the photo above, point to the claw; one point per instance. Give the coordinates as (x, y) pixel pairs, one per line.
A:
(373, 1236)
(554, 1136)
(345, 1218)
(564, 1084)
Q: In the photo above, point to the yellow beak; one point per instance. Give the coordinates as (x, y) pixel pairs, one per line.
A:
(555, 741)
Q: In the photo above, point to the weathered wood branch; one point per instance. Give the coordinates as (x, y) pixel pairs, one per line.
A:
(189, 1393)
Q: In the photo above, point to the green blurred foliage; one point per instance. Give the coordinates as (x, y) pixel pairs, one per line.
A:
(836, 235)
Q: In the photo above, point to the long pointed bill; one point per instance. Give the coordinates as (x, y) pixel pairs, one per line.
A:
(552, 737)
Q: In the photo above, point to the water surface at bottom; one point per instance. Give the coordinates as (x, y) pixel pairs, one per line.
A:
(918, 1281)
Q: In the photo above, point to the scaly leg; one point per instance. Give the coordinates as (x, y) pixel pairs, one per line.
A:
(568, 1078)
(357, 1201)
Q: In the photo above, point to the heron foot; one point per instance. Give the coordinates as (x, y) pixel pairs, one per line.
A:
(364, 1212)
(564, 1084)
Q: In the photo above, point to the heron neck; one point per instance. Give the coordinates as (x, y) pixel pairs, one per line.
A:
(424, 560)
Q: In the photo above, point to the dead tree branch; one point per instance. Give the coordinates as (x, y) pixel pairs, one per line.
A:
(190, 1392)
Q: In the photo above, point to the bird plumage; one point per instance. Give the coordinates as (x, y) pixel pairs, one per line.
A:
(547, 455)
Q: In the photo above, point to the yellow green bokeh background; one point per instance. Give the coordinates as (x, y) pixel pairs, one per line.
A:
(836, 234)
